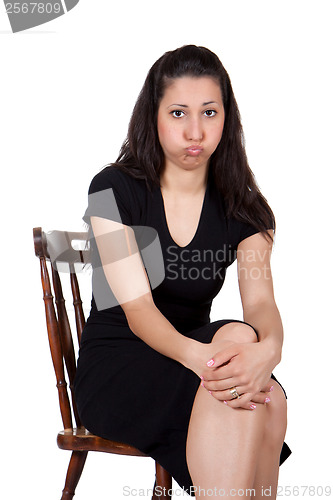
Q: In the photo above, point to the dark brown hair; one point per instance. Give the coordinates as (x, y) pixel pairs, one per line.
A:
(141, 154)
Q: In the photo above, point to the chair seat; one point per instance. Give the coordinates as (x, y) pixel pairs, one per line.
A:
(79, 439)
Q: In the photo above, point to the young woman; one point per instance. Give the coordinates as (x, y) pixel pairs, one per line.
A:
(154, 371)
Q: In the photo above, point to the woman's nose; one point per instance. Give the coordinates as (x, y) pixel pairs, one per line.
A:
(194, 130)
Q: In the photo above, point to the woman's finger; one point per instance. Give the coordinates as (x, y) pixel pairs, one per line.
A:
(227, 395)
(243, 401)
(220, 372)
(221, 385)
(224, 356)
(245, 405)
(268, 387)
(250, 399)
(224, 389)
(246, 401)
(261, 397)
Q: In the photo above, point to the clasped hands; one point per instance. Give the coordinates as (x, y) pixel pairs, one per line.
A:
(244, 366)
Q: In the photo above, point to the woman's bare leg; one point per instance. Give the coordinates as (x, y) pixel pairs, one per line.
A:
(224, 444)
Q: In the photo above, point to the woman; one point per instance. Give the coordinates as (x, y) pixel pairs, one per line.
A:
(153, 371)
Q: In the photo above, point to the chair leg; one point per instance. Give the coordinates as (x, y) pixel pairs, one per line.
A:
(74, 472)
(163, 481)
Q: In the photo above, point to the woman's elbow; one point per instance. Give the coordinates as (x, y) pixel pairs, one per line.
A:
(134, 309)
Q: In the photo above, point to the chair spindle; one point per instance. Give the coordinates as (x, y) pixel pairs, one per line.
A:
(55, 346)
(66, 338)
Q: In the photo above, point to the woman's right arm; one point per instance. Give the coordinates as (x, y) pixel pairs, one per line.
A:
(127, 278)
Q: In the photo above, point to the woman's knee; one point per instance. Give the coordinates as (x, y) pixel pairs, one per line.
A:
(236, 332)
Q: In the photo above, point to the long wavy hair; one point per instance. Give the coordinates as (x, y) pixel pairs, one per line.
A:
(141, 154)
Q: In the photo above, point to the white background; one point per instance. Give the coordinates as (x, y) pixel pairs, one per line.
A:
(67, 91)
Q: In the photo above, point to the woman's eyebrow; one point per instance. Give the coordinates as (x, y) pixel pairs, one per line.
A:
(209, 102)
(186, 106)
(180, 105)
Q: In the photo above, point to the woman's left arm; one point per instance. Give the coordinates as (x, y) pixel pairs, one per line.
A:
(251, 363)
(256, 289)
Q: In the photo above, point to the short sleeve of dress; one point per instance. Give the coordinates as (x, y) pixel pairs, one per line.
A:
(246, 230)
(110, 197)
(240, 230)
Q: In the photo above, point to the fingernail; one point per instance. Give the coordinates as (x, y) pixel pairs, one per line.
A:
(225, 402)
(201, 377)
(202, 384)
(253, 407)
(210, 362)
(271, 388)
(267, 400)
(210, 392)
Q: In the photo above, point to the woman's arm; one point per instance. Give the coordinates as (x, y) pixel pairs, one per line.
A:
(126, 275)
(257, 294)
(250, 365)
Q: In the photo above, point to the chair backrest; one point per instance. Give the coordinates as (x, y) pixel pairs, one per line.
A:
(56, 251)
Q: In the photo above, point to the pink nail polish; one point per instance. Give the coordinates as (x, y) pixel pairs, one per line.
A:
(267, 400)
(225, 402)
(210, 392)
(271, 388)
(210, 363)
(202, 384)
(201, 377)
(253, 407)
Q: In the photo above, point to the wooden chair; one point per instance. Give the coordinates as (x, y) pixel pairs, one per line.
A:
(77, 439)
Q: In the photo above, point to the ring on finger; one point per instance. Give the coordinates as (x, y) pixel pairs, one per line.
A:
(234, 393)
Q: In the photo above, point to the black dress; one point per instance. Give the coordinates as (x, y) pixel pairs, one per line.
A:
(125, 390)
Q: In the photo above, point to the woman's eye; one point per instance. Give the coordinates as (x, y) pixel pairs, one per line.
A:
(177, 113)
(210, 112)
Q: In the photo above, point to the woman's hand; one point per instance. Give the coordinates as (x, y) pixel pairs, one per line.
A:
(246, 366)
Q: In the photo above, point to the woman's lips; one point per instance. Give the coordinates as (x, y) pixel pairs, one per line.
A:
(194, 150)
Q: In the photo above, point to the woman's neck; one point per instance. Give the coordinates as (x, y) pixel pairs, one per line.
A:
(183, 182)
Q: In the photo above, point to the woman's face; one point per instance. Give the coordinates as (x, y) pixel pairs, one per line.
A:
(190, 121)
